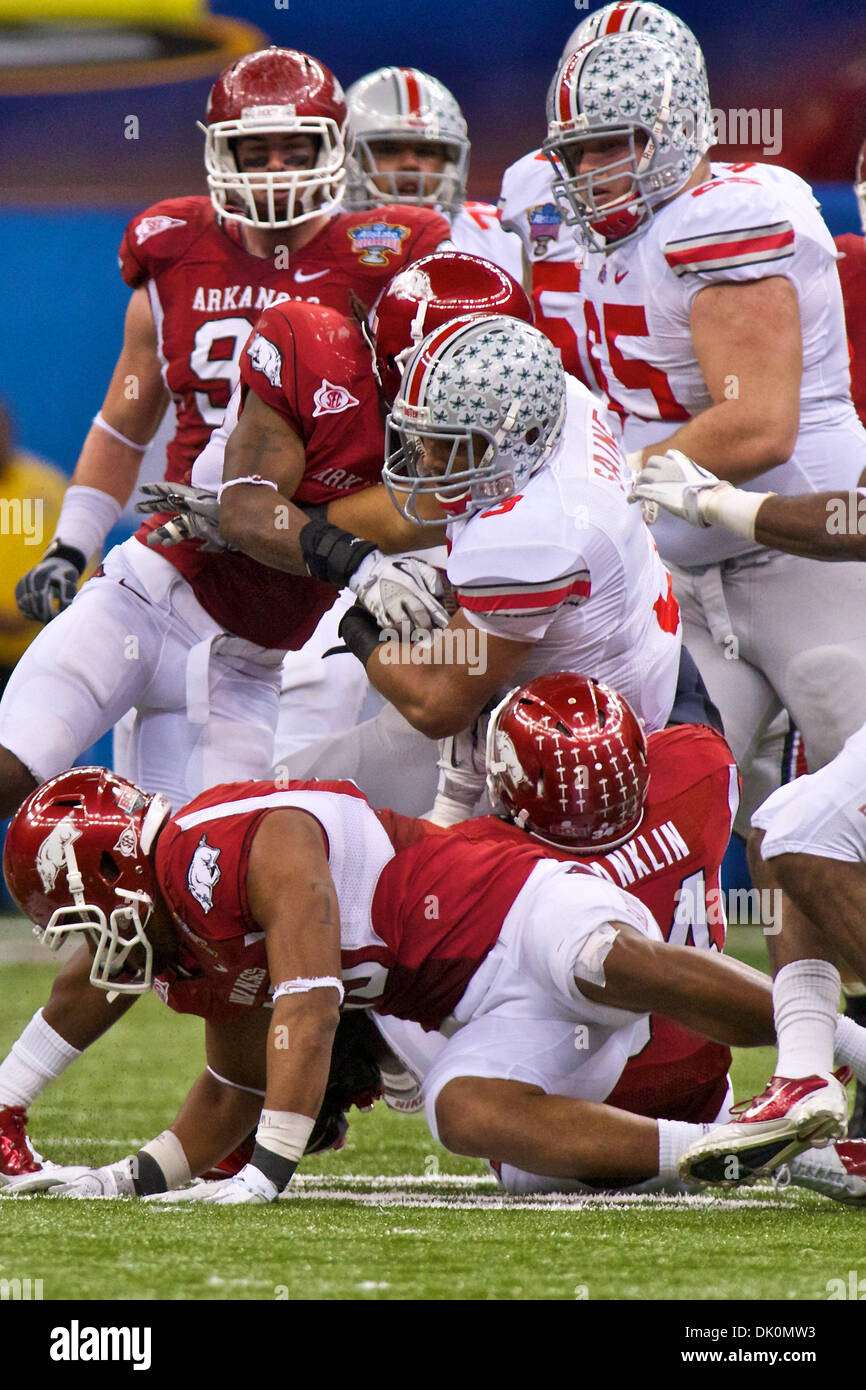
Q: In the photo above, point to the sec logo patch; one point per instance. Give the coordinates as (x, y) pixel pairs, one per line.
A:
(331, 400)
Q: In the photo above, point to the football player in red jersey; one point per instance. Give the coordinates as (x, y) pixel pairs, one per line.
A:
(570, 768)
(148, 632)
(530, 966)
(331, 443)
(307, 894)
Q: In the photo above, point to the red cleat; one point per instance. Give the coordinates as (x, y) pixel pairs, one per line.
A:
(17, 1155)
(790, 1116)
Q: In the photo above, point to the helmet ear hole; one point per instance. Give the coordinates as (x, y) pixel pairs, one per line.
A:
(109, 869)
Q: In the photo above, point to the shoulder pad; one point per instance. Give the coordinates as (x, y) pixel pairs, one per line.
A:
(160, 235)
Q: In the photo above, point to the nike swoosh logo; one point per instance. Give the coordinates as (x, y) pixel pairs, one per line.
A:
(619, 275)
(316, 274)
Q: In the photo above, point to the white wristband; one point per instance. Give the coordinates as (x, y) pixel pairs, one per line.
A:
(86, 517)
(101, 423)
(303, 986)
(254, 478)
(285, 1133)
(732, 508)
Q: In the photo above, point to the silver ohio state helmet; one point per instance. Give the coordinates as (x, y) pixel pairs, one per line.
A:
(490, 387)
(638, 18)
(634, 88)
(405, 106)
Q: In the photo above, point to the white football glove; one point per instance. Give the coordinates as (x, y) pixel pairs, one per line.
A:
(462, 773)
(249, 1186)
(114, 1180)
(400, 590)
(682, 487)
(50, 1175)
(197, 514)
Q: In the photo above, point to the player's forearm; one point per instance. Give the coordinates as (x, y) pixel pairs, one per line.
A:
(264, 524)
(824, 526)
(425, 694)
(736, 443)
(372, 515)
(299, 1051)
(107, 464)
(213, 1120)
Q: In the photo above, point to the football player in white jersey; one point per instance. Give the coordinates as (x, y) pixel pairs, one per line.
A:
(528, 207)
(711, 305)
(548, 570)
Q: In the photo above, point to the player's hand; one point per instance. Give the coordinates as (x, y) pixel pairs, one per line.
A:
(50, 1175)
(682, 487)
(197, 515)
(248, 1187)
(402, 590)
(50, 586)
(462, 773)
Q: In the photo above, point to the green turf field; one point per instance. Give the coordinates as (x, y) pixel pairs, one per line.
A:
(393, 1216)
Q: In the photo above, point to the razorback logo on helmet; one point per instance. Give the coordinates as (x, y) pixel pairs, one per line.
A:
(507, 760)
(51, 855)
(127, 843)
(152, 226)
(266, 358)
(204, 873)
(331, 400)
(545, 220)
(373, 244)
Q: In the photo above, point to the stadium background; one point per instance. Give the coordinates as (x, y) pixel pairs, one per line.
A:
(72, 176)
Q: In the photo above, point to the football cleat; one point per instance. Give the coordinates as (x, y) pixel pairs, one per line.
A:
(17, 1155)
(789, 1116)
(402, 1090)
(837, 1171)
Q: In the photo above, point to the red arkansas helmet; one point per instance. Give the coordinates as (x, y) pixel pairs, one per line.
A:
(77, 860)
(275, 91)
(567, 758)
(430, 292)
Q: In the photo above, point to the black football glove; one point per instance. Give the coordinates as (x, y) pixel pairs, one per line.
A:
(50, 586)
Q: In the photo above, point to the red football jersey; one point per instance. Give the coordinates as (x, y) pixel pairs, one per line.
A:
(419, 907)
(852, 273)
(672, 865)
(206, 292)
(315, 369)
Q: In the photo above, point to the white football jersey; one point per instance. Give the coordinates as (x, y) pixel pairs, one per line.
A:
(552, 251)
(477, 230)
(631, 309)
(568, 565)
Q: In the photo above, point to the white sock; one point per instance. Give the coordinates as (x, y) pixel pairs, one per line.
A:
(675, 1136)
(37, 1057)
(805, 1006)
(849, 1045)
